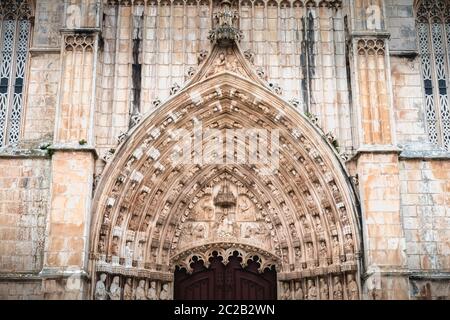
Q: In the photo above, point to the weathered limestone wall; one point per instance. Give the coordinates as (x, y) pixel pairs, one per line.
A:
(408, 100)
(299, 49)
(24, 202)
(43, 84)
(401, 24)
(425, 210)
(384, 242)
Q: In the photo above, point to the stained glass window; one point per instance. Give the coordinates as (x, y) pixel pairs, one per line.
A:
(14, 42)
(433, 27)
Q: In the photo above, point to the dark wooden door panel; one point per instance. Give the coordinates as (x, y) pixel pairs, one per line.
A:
(230, 282)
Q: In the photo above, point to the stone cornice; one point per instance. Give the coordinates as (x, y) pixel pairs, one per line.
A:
(73, 148)
(374, 149)
(370, 34)
(23, 154)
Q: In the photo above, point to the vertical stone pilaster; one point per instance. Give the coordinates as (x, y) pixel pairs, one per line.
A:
(377, 157)
(65, 256)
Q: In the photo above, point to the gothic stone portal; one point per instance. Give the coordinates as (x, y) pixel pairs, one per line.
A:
(152, 217)
(230, 281)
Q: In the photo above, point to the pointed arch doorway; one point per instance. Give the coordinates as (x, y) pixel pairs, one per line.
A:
(225, 280)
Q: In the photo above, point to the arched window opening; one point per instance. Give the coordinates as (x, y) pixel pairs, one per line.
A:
(14, 42)
(433, 28)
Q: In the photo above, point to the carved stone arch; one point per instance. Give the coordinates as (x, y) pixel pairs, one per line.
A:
(144, 199)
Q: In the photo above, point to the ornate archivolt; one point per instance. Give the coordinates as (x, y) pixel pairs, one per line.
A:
(152, 214)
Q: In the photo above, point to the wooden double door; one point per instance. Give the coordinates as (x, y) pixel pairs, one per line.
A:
(225, 282)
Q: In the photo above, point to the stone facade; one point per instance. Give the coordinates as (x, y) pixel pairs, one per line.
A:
(93, 207)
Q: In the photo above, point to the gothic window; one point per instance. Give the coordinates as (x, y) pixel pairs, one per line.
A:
(14, 40)
(433, 27)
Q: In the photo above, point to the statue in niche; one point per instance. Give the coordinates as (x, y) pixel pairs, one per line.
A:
(286, 294)
(226, 16)
(219, 65)
(101, 245)
(146, 222)
(305, 224)
(310, 251)
(115, 290)
(121, 216)
(337, 289)
(336, 251)
(344, 217)
(106, 219)
(293, 231)
(134, 223)
(323, 254)
(318, 223)
(245, 209)
(115, 246)
(164, 295)
(199, 232)
(312, 290)
(140, 251)
(309, 200)
(100, 288)
(152, 295)
(140, 291)
(331, 217)
(128, 289)
(324, 291)
(226, 227)
(142, 196)
(349, 248)
(352, 288)
(298, 291)
(128, 255)
(118, 184)
(298, 253)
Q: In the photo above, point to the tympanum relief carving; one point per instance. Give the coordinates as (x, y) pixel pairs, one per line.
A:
(238, 221)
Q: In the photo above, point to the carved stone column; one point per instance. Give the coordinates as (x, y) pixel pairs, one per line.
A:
(376, 160)
(65, 256)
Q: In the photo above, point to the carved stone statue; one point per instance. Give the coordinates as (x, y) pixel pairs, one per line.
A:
(128, 255)
(226, 227)
(352, 288)
(305, 224)
(324, 291)
(349, 247)
(226, 16)
(199, 232)
(323, 254)
(140, 291)
(337, 289)
(115, 246)
(115, 290)
(336, 251)
(101, 245)
(298, 291)
(100, 288)
(151, 295)
(312, 290)
(165, 294)
(310, 251)
(286, 294)
(128, 290)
